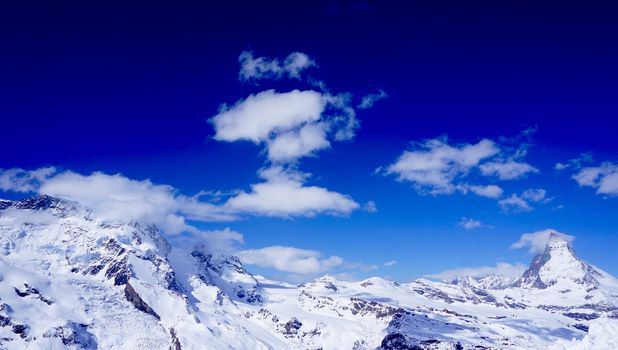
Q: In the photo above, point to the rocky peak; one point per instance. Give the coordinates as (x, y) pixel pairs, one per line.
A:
(55, 206)
(556, 263)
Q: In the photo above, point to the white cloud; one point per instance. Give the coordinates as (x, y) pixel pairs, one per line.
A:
(258, 116)
(514, 204)
(20, 180)
(489, 191)
(116, 198)
(390, 263)
(370, 99)
(469, 224)
(256, 68)
(290, 259)
(297, 143)
(370, 207)
(507, 170)
(291, 125)
(537, 241)
(510, 271)
(283, 194)
(535, 195)
(434, 165)
(604, 178)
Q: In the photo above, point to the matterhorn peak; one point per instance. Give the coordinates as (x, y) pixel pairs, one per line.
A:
(557, 263)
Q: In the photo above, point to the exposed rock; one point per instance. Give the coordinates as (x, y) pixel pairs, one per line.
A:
(133, 297)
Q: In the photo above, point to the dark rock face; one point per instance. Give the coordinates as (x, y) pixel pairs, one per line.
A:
(175, 342)
(28, 290)
(56, 206)
(363, 306)
(139, 304)
(292, 327)
(21, 330)
(397, 341)
(581, 316)
(73, 334)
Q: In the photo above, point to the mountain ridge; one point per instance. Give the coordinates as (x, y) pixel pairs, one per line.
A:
(122, 285)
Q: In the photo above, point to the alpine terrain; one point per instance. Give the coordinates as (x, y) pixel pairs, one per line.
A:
(71, 280)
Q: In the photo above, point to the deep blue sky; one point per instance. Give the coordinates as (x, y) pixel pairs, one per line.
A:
(130, 89)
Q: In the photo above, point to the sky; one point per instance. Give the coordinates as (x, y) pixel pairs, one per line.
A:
(355, 138)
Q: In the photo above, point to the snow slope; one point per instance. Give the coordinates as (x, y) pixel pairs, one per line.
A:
(70, 280)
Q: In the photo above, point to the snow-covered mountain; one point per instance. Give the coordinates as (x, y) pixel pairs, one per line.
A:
(70, 280)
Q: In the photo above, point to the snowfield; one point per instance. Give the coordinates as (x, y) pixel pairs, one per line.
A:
(70, 280)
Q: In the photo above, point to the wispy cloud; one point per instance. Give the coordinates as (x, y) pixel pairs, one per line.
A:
(370, 99)
(514, 204)
(390, 263)
(433, 165)
(436, 167)
(470, 224)
(253, 68)
(509, 271)
(537, 241)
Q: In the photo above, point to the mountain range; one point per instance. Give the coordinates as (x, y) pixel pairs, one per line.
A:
(71, 280)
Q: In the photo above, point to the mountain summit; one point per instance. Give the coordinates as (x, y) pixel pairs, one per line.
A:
(558, 264)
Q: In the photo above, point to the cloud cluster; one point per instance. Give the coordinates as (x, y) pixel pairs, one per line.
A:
(257, 68)
(117, 198)
(604, 178)
(509, 271)
(289, 125)
(537, 241)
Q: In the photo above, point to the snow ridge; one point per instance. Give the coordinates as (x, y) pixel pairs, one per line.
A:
(71, 280)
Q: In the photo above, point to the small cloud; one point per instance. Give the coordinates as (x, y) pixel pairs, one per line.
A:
(390, 263)
(283, 194)
(604, 178)
(257, 68)
(370, 99)
(469, 224)
(560, 166)
(537, 241)
(535, 195)
(489, 191)
(509, 271)
(514, 204)
(370, 207)
(289, 259)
